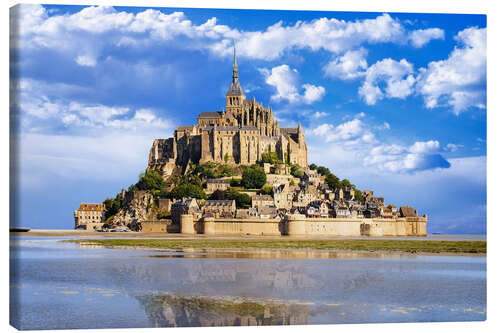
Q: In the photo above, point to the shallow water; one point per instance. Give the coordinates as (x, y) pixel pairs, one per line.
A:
(58, 285)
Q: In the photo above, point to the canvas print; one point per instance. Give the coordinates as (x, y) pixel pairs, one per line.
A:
(176, 167)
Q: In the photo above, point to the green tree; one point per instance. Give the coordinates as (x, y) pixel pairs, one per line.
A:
(359, 196)
(235, 182)
(266, 189)
(112, 206)
(346, 183)
(187, 191)
(253, 177)
(323, 170)
(297, 171)
(242, 200)
(333, 181)
(150, 180)
(313, 166)
(269, 157)
(224, 170)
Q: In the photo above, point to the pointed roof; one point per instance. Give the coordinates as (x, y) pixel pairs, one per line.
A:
(235, 88)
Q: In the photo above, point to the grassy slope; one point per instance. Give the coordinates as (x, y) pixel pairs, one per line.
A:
(411, 246)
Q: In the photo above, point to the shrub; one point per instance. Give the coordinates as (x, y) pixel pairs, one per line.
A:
(150, 180)
(253, 177)
(266, 189)
(243, 200)
(323, 171)
(187, 191)
(333, 181)
(269, 157)
(297, 171)
(112, 206)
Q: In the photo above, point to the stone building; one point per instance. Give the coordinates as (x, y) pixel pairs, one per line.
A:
(321, 207)
(240, 134)
(89, 216)
(261, 200)
(217, 184)
(407, 211)
(283, 196)
(184, 206)
(219, 208)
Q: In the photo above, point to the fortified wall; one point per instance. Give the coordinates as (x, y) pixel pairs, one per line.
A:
(299, 225)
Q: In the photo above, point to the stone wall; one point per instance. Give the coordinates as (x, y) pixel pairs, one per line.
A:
(299, 225)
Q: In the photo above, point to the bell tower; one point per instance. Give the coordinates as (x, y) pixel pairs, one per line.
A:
(235, 95)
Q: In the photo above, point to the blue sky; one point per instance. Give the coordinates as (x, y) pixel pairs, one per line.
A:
(394, 102)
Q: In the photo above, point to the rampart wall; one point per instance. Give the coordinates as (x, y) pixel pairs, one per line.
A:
(299, 225)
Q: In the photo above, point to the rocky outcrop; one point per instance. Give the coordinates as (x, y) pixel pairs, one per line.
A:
(137, 206)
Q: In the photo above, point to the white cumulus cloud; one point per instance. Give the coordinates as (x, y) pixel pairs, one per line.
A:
(460, 80)
(351, 65)
(396, 158)
(420, 37)
(285, 80)
(387, 79)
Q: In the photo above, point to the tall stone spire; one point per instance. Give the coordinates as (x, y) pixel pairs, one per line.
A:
(235, 88)
(235, 65)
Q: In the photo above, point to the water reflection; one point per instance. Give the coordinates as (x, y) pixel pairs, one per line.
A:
(62, 285)
(179, 311)
(269, 254)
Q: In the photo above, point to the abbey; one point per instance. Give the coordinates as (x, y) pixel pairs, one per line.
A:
(240, 134)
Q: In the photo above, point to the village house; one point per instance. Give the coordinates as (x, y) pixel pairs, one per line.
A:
(184, 206)
(305, 196)
(246, 213)
(89, 216)
(283, 197)
(394, 210)
(262, 200)
(342, 212)
(407, 211)
(312, 177)
(386, 212)
(219, 208)
(312, 211)
(267, 212)
(217, 184)
(321, 206)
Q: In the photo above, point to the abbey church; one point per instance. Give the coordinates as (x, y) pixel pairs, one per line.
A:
(240, 134)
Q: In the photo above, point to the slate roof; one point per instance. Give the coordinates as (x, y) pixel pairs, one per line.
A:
(289, 130)
(249, 128)
(264, 197)
(407, 211)
(91, 207)
(234, 89)
(213, 203)
(226, 128)
(210, 114)
(218, 181)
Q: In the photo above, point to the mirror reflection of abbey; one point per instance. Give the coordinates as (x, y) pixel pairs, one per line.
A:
(240, 134)
(185, 311)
